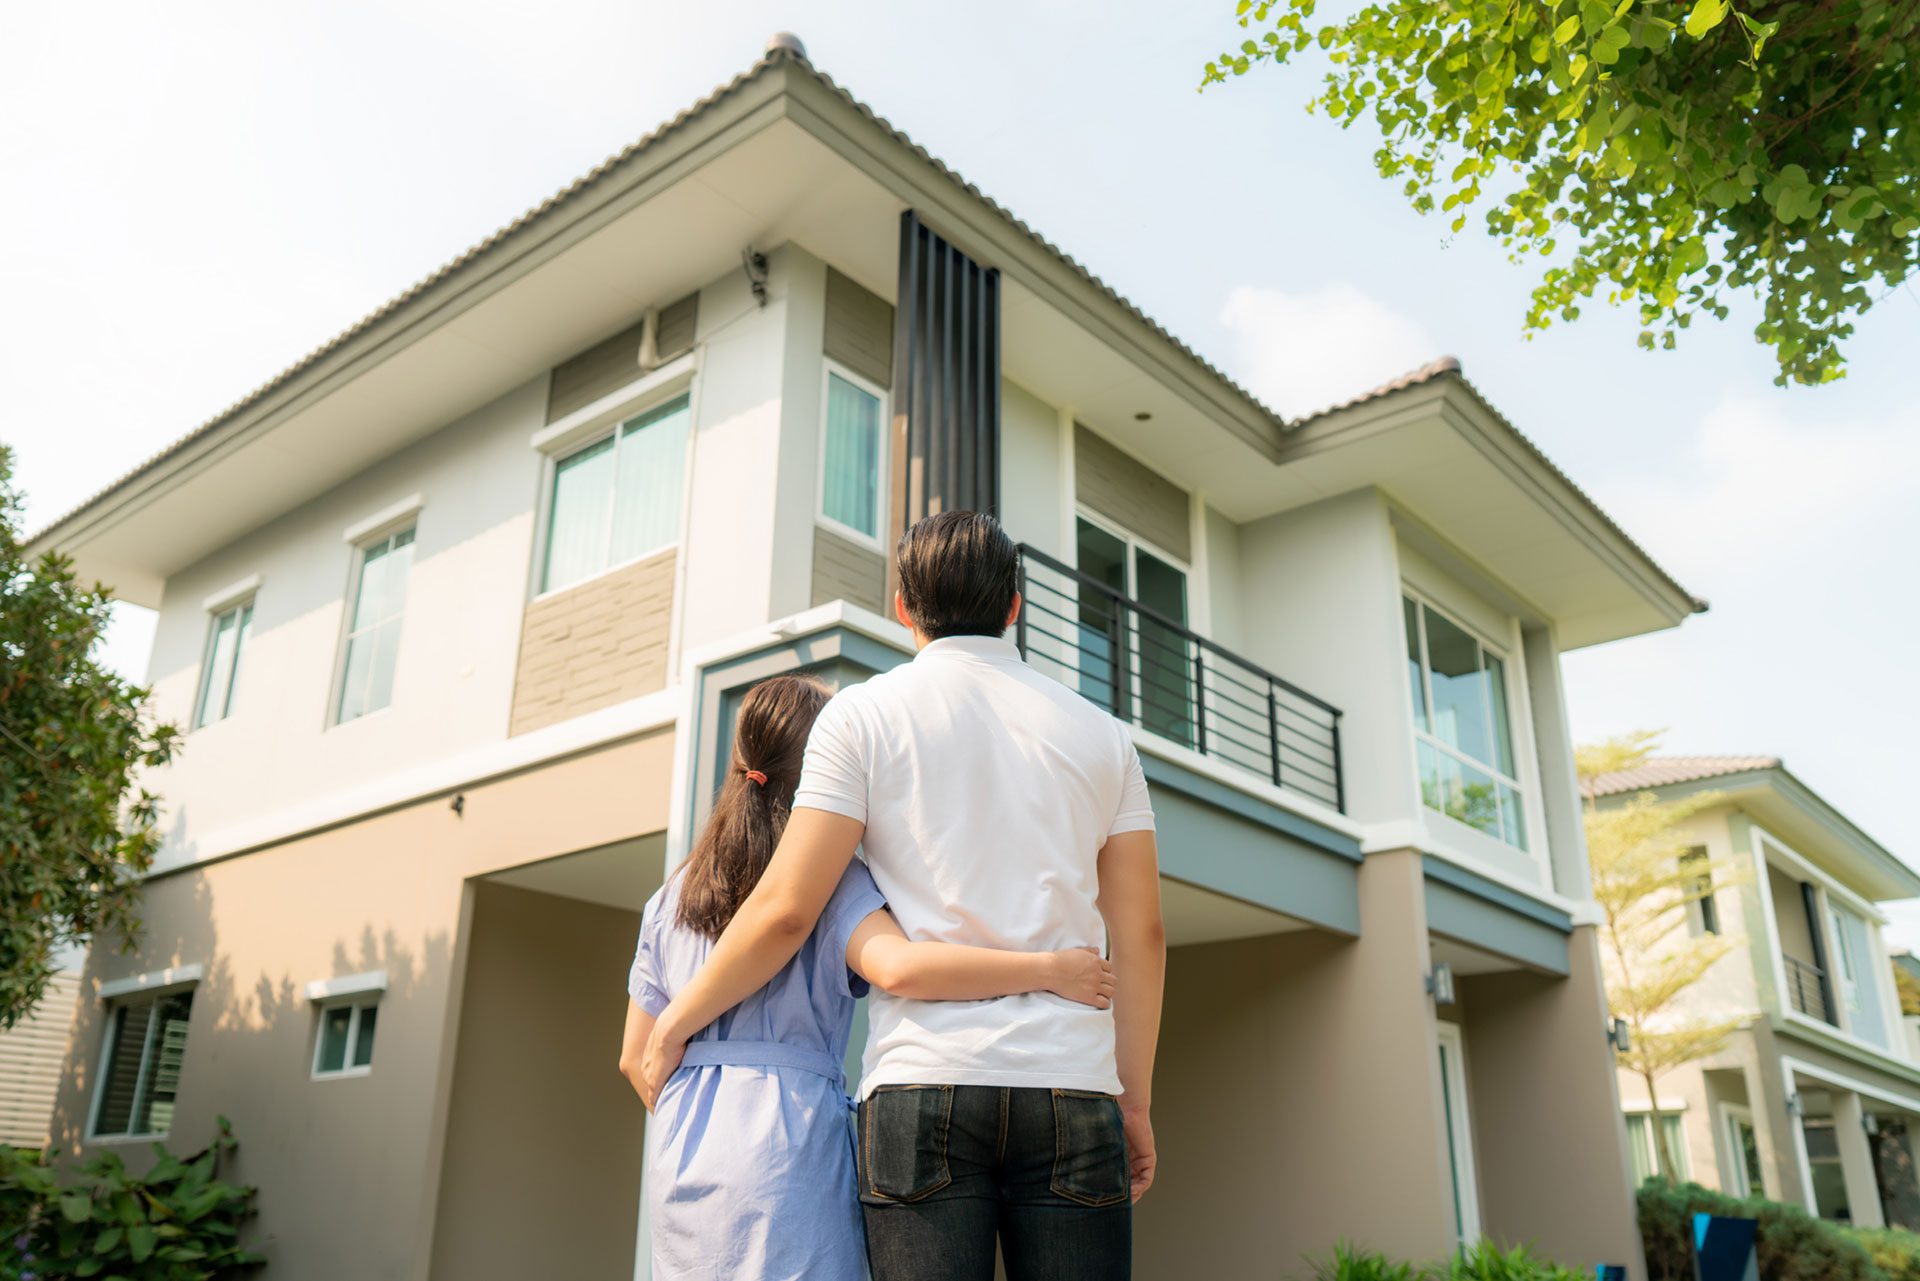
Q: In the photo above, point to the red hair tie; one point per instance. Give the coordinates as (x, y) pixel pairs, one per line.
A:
(755, 776)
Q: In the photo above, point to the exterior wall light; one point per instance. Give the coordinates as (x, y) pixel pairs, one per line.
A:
(1620, 1036)
(1870, 1123)
(1794, 1106)
(1440, 984)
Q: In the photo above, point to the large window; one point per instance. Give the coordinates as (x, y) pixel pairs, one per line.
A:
(1703, 914)
(220, 669)
(617, 499)
(1856, 961)
(852, 458)
(1134, 666)
(373, 628)
(1462, 725)
(140, 1070)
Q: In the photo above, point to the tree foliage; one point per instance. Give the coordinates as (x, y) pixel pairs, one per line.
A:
(1645, 888)
(1664, 153)
(76, 829)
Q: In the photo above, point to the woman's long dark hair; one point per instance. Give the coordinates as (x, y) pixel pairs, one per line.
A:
(769, 741)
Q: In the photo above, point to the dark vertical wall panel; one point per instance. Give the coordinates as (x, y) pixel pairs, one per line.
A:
(946, 371)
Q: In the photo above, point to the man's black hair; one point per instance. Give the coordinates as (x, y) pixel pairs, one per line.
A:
(958, 574)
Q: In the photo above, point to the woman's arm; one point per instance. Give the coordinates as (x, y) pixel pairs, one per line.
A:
(633, 1044)
(881, 953)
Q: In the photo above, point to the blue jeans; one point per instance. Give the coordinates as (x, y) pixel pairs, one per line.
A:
(945, 1169)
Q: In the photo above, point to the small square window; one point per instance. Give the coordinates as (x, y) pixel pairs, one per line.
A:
(343, 1045)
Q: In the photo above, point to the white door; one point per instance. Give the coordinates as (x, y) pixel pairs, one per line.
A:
(1453, 1092)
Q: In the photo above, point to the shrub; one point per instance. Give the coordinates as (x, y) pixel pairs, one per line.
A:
(1791, 1245)
(178, 1222)
(1895, 1252)
(1484, 1262)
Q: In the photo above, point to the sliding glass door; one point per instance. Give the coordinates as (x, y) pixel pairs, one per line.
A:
(1131, 662)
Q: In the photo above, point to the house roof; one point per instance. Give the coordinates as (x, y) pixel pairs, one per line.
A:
(1664, 771)
(137, 555)
(1782, 804)
(781, 50)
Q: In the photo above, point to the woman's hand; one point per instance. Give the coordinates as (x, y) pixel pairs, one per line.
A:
(1081, 974)
(659, 1061)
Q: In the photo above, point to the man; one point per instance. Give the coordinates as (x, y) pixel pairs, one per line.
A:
(996, 807)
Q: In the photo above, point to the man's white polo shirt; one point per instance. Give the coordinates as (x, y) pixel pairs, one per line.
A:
(987, 791)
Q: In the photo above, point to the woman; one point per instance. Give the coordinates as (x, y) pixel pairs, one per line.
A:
(752, 1176)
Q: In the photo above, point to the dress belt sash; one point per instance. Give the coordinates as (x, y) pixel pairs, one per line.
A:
(761, 1054)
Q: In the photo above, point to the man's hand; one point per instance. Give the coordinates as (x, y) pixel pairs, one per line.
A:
(662, 1057)
(1142, 1160)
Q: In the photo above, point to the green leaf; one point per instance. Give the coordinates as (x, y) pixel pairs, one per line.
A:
(77, 1207)
(1706, 15)
(140, 1242)
(1567, 30)
(108, 1241)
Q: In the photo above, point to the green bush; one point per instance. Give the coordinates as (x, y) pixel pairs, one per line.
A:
(1482, 1263)
(1791, 1244)
(178, 1222)
(1895, 1252)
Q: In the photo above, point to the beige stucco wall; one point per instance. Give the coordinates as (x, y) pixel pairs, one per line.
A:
(1550, 1145)
(1297, 1097)
(386, 892)
(542, 1162)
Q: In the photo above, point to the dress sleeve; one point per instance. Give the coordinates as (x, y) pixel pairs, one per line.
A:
(645, 980)
(854, 900)
(833, 776)
(1135, 813)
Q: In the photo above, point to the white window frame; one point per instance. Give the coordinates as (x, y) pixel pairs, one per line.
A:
(1459, 1122)
(1669, 1108)
(243, 625)
(590, 426)
(1734, 1179)
(1698, 908)
(139, 994)
(359, 1003)
(1133, 543)
(363, 538)
(831, 369)
(1516, 708)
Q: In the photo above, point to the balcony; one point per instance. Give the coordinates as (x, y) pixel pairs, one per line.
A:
(1152, 671)
(1807, 990)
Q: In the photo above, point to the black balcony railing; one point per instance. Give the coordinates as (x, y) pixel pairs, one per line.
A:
(1148, 669)
(1807, 990)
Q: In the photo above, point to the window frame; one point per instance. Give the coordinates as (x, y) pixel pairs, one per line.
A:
(143, 1081)
(829, 370)
(1512, 691)
(1703, 913)
(1682, 1155)
(243, 606)
(572, 443)
(361, 542)
(359, 1003)
(1733, 1115)
(1450, 1039)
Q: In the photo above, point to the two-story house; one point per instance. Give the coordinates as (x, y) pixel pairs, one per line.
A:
(458, 608)
(1816, 1099)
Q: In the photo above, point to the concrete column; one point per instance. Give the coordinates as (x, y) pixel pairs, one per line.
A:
(1297, 1097)
(1782, 1141)
(1546, 1114)
(1856, 1161)
(1767, 1134)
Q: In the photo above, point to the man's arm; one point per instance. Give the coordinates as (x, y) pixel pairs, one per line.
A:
(763, 936)
(1137, 941)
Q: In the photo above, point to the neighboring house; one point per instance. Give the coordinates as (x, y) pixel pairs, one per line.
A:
(1816, 1100)
(458, 610)
(31, 1054)
(1905, 962)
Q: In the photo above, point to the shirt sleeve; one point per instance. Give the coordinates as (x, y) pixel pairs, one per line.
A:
(854, 900)
(834, 773)
(644, 979)
(1136, 809)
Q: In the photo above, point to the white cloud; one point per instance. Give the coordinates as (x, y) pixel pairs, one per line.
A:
(1753, 485)
(1304, 351)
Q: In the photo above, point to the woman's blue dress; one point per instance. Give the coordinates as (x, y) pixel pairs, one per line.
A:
(751, 1176)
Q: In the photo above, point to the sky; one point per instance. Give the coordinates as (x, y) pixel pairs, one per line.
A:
(192, 197)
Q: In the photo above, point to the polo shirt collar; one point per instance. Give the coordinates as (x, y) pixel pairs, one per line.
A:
(989, 648)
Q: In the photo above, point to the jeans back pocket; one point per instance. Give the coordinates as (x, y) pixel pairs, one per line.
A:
(1089, 1148)
(903, 1141)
